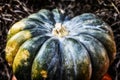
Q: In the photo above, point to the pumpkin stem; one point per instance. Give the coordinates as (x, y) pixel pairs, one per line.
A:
(59, 30)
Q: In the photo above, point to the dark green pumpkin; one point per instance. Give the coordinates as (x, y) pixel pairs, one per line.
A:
(49, 45)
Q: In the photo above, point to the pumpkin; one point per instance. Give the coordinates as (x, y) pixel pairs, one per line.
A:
(49, 45)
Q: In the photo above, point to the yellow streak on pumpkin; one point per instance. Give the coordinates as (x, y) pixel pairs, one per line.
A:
(18, 26)
(11, 51)
(13, 45)
(44, 73)
(21, 58)
(27, 35)
(24, 54)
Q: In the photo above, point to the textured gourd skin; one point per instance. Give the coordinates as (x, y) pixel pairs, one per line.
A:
(36, 54)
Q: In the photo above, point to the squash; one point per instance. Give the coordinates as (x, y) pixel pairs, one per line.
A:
(49, 45)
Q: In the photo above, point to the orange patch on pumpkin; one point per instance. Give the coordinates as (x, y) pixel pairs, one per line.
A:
(106, 77)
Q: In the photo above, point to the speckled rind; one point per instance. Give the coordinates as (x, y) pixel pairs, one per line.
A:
(88, 37)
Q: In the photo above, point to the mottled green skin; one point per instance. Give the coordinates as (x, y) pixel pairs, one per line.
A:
(62, 61)
(84, 54)
(23, 70)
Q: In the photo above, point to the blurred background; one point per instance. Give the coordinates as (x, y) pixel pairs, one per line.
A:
(12, 11)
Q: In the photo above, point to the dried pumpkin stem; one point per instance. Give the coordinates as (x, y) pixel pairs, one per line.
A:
(59, 30)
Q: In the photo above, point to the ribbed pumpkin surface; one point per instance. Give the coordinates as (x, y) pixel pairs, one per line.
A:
(50, 45)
